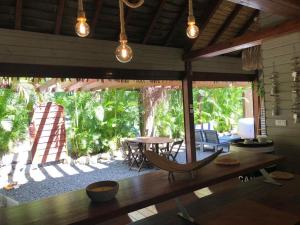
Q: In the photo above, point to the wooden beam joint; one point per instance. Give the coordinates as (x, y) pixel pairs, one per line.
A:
(245, 41)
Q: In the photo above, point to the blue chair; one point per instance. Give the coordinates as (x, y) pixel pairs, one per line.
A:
(212, 140)
(199, 139)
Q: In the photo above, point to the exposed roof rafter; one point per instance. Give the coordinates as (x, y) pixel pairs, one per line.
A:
(285, 8)
(245, 41)
(154, 20)
(18, 21)
(226, 24)
(176, 22)
(59, 16)
(205, 18)
(78, 85)
(248, 24)
(48, 84)
(98, 4)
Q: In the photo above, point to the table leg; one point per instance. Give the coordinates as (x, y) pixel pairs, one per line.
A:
(157, 148)
(269, 179)
(183, 213)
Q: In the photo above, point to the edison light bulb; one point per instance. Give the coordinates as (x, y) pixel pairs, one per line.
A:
(192, 30)
(124, 53)
(82, 28)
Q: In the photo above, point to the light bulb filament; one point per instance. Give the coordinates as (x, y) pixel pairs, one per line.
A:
(123, 52)
(82, 28)
(192, 30)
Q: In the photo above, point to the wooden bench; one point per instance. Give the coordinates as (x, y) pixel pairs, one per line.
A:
(134, 193)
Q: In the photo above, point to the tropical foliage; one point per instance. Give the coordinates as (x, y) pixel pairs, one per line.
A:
(97, 121)
(14, 118)
(169, 115)
(224, 106)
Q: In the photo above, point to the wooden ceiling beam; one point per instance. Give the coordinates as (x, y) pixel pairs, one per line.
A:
(18, 18)
(59, 16)
(248, 24)
(206, 76)
(78, 85)
(98, 5)
(92, 85)
(176, 23)
(153, 21)
(245, 41)
(80, 72)
(47, 84)
(204, 20)
(287, 8)
(226, 23)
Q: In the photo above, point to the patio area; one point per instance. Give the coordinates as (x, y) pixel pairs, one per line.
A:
(95, 95)
(35, 183)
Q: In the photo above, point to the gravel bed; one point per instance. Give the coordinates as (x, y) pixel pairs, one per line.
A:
(34, 190)
(51, 180)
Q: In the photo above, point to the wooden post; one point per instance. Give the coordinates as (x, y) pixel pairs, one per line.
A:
(189, 127)
(256, 107)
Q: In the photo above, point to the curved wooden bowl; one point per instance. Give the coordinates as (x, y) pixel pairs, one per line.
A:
(102, 191)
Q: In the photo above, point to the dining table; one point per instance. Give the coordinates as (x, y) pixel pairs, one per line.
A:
(154, 141)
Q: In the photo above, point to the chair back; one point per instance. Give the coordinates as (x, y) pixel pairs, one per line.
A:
(132, 146)
(199, 136)
(211, 136)
(176, 145)
(175, 149)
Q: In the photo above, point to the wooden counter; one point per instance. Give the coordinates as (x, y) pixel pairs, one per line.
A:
(251, 203)
(134, 193)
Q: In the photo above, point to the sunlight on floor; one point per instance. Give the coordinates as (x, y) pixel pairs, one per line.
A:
(68, 169)
(203, 192)
(85, 168)
(37, 175)
(143, 213)
(151, 210)
(99, 166)
(53, 172)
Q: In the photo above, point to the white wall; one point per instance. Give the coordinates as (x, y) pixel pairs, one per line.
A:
(280, 51)
(46, 49)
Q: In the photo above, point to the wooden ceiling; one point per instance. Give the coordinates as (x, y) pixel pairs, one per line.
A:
(157, 22)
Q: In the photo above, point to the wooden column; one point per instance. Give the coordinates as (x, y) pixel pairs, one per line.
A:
(189, 127)
(256, 107)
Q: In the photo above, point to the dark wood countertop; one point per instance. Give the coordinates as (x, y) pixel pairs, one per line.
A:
(134, 193)
(251, 203)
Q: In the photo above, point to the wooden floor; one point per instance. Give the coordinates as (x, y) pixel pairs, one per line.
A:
(230, 202)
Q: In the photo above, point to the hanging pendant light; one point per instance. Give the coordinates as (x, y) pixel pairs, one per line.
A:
(82, 28)
(192, 30)
(124, 52)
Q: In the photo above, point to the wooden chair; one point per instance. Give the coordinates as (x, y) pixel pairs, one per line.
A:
(173, 151)
(172, 167)
(126, 154)
(137, 156)
(212, 139)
